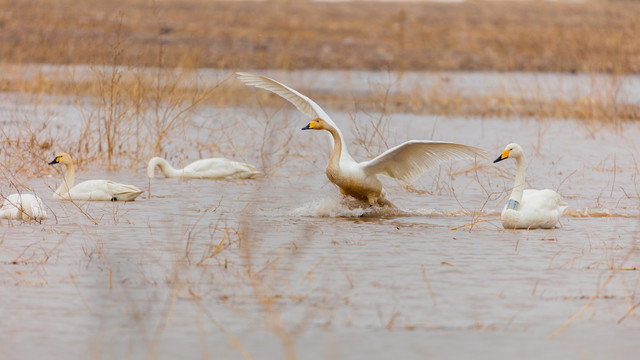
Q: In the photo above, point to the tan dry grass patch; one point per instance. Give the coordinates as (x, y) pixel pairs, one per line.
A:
(505, 36)
(141, 87)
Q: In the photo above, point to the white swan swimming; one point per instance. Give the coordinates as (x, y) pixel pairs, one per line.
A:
(214, 168)
(404, 162)
(26, 207)
(98, 190)
(529, 209)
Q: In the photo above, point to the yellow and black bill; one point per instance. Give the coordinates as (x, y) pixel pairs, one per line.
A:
(312, 124)
(55, 161)
(504, 155)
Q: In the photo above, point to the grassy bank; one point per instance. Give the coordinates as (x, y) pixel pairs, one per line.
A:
(593, 36)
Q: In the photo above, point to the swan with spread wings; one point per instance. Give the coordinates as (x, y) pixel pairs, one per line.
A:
(405, 162)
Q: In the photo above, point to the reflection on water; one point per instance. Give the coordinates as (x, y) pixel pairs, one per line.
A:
(242, 267)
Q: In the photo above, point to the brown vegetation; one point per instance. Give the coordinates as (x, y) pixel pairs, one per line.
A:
(590, 36)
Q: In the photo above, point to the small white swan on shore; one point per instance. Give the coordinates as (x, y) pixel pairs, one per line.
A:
(530, 208)
(25, 207)
(213, 168)
(90, 190)
(405, 162)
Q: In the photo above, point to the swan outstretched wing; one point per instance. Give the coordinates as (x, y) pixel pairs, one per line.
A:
(409, 160)
(303, 103)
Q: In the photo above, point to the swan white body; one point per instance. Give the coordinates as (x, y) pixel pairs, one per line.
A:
(214, 168)
(91, 190)
(26, 207)
(529, 209)
(404, 162)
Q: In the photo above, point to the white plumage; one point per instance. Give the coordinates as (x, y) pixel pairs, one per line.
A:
(94, 190)
(213, 168)
(404, 162)
(529, 209)
(26, 207)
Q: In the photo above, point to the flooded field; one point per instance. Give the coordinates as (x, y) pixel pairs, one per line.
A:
(282, 267)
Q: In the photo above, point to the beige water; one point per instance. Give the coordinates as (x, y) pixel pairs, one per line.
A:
(282, 265)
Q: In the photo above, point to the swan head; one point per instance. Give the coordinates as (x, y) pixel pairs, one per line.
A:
(316, 124)
(62, 158)
(512, 150)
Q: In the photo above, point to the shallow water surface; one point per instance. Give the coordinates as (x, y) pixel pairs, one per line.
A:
(282, 265)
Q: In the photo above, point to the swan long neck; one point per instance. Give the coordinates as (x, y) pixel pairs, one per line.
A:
(518, 184)
(67, 183)
(167, 169)
(334, 161)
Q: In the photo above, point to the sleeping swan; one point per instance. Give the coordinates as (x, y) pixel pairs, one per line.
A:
(99, 190)
(529, 209)
(404, 162)
(214, 168)
(26, 207)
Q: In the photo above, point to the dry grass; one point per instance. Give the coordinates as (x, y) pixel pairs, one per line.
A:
(505, 36)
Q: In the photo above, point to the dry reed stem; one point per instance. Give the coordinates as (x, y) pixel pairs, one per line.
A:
(426, 280)
(629, 312)
(79, 208)
(392, 320)
(234, 340)
(597, 294)
(84, 301)
(472, 224)
(584, 308)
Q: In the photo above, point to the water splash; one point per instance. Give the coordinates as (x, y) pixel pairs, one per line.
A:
(332, 207)
(338, 206)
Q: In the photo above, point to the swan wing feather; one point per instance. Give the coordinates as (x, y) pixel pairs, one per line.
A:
(205, 165)
(301, 102)
(542, 201)
(122, 192)
(409, 160)
(103, 190)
